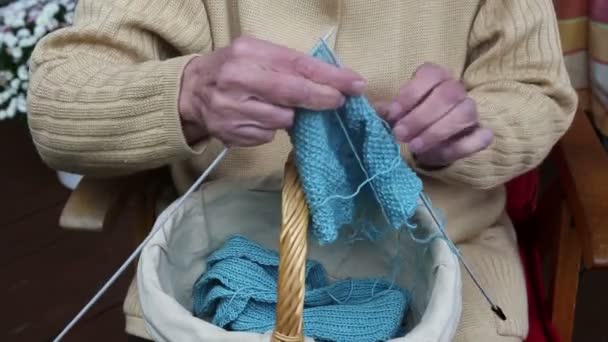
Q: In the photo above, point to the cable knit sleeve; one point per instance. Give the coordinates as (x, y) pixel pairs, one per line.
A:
(517, 76)
(103, 93)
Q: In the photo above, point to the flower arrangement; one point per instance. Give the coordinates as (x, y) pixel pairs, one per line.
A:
(22, 24)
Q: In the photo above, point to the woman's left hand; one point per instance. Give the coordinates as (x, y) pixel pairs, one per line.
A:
(434, 116)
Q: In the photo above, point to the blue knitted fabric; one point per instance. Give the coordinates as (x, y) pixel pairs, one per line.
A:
(351, 168)
(238, 293)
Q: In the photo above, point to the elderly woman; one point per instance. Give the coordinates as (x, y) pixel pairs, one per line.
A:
(476, 91)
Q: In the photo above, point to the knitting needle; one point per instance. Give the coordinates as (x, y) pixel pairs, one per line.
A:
(139, 248)
(495, 308)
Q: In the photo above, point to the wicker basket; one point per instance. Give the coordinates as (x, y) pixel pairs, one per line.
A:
(439, 325)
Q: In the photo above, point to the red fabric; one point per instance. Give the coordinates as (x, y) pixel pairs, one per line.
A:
(522, 195)
(541, 328)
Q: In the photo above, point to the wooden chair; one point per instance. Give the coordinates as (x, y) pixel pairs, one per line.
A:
(573, 211)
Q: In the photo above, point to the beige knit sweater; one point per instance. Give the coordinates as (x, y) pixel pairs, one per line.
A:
(103, 95)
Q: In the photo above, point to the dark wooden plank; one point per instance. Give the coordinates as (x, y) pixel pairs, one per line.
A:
(567, 267)
(50, 273)
(110, 322)
(18, 207)
(26, 183)
(590, 324)
(44, 289)
(582, 163)
(30, 236)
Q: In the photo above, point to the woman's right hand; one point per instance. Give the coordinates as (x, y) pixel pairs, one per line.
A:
(243, 93)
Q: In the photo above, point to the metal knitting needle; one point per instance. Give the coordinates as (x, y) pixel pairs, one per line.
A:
(139, 248)
(495, 308)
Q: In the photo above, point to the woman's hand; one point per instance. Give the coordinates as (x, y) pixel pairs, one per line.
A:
(436, 118)
(243, 93)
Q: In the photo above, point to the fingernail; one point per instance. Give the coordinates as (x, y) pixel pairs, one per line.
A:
(416, 145)
(359, 86)
(342, 101)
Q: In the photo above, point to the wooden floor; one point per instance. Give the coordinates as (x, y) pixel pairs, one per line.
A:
(48, 274)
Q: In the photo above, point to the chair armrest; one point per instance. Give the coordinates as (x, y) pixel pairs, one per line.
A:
(90, 203)
(94, 202)
(583, 172)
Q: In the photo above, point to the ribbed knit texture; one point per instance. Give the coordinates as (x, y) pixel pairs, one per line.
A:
(351, 169)
(238, 291)
(103, 94)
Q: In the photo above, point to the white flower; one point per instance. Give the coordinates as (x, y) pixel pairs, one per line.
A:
(17, 52)
(4, 96)
(11, 109)
(22, 73)
(42, 20)
(39, 31)
(25, 85)
(18, 6)
(9, 39)
(53, 24)
(21, 104)
(51, 8)
(48, 13)
(15, 19)
(6, 76)
(15, 84)
(23, 33)
(68, 4)
(69, 17)
(27, 42)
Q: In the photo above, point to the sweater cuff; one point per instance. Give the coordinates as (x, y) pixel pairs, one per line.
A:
(171, 73)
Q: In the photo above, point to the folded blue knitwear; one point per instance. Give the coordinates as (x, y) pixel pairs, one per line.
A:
(238, 292)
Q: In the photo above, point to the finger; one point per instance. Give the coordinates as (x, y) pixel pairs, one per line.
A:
(384, 108)
(461, 118)
(426, 78)
(248, 136)
(340, 78)
(441, 100)
(279, 89)
(457, 147)
(269, 116)
(259, 113)
(297, 63)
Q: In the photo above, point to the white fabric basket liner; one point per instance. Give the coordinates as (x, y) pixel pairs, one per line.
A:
(175, 257)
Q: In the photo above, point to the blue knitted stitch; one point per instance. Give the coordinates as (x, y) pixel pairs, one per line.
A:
(336, 152)
(238, 292)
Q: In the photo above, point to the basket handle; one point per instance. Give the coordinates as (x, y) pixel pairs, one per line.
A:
(292, 259)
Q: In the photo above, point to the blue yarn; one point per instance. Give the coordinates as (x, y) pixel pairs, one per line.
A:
(349, 156)
(353, 175)
(238, 292)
